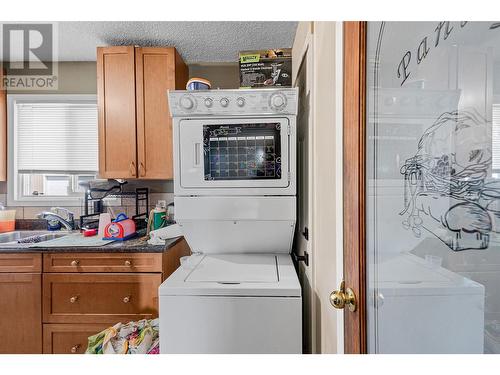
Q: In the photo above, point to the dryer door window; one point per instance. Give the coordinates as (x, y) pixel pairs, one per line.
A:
(235, 153)
(242, 151)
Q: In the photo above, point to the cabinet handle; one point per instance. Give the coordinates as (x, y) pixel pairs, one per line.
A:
(128, 263)
(75, 263)
(75, 348)
(196, 157)
(73, 299)
(142, 169)
(132, 169)
(126, 299)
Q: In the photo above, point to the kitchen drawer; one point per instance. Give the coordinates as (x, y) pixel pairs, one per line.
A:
(99, 298)
(17, 262)
(68, 338)
(97, 262)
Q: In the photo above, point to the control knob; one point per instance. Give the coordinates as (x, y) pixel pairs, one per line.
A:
(208, 102)
(187, 102)
(277, 101)
(240, 102)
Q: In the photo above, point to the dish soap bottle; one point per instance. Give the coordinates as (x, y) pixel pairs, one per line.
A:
(159, 214)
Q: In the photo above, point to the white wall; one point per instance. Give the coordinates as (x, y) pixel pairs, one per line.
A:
(318, 74)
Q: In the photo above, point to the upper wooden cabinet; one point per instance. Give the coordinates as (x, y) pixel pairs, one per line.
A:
(135, 128)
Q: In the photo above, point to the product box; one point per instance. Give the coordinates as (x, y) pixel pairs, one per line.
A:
(266, 68)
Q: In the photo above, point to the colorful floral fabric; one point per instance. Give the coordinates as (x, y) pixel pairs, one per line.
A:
(141, 337)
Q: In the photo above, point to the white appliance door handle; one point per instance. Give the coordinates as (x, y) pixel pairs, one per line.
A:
(197, 155)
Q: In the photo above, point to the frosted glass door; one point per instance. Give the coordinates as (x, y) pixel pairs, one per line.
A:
(433, 187)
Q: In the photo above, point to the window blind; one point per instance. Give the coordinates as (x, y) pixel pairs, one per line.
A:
(56, 137)
(495, 144)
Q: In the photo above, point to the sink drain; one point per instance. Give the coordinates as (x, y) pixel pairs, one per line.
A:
(31, 239)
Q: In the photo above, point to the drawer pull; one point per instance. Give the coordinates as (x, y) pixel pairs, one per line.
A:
(142, 169)
(128, 263)
(75, 348)
(126, 299)
(73, 299)
(75, 263)
(132, 169)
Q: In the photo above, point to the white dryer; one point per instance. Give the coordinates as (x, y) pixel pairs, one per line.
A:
(234, 187)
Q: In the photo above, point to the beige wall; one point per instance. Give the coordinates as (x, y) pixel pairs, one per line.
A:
(77, 77)
(80, 78)
(317, 57)
(222, 76)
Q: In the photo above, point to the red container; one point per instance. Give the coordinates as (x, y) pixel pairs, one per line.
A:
(122, 228)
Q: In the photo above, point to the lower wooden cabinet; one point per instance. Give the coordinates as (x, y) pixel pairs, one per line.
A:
(68, 338)
(77, 295)
(99, 298)
(20, 313)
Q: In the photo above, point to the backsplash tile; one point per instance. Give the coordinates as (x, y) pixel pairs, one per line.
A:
(126, 204)
(19, 211)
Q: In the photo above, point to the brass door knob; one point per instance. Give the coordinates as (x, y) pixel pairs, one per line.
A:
(128, 263)
(343, 297)
(73, 299)
(75, 348)
(75, 263)
(126, 299)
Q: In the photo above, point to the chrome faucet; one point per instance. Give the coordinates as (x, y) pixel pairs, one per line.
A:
(55, 214)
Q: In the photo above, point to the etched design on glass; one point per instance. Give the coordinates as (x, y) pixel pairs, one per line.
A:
(242, 151)
(447, 190)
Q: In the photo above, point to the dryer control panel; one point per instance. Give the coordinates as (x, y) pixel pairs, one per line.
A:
(254, 102)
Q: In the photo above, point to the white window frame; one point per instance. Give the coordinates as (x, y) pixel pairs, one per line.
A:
(12, 177)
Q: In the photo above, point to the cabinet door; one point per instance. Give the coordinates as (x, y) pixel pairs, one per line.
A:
(116, 99)
(21, 313)
(155, 74)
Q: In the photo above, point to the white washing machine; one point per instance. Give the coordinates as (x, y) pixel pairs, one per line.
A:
(423, 308)
(234, 187)
(232, 303)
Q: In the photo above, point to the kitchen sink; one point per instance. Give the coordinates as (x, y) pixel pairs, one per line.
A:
(27, 237)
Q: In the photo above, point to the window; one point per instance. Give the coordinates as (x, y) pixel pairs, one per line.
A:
(55, 147)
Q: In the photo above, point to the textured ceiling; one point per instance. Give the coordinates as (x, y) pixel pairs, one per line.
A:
(197, 42)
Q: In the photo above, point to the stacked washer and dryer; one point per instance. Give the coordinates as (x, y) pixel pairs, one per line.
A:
(234, 187)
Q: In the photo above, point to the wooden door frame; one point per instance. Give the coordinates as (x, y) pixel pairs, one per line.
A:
(354, 206)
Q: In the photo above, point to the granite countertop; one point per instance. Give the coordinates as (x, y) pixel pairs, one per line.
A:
(134, 245)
